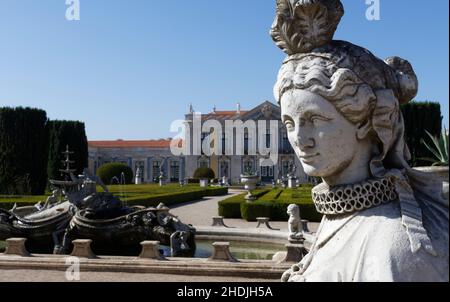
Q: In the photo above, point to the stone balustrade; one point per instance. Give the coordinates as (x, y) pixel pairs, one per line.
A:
(222, 252)
(16, 246)
(150, 250)
(264, 221)
(82, 249)
(218, 221)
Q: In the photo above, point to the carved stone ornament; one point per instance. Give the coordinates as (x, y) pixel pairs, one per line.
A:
(302, 25)
(267, 111)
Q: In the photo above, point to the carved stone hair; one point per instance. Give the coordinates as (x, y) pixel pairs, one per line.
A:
(348, 76)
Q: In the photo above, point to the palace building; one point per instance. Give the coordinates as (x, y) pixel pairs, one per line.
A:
(154, 156)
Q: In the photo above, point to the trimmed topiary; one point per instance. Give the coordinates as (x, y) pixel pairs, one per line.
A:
(272, 204)
(204, 173)
(109, 171)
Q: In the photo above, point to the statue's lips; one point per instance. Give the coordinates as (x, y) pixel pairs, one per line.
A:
(308, 158)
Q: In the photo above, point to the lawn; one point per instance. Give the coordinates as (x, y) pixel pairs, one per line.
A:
(146, 195)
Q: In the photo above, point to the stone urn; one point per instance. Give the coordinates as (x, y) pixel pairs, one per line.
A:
(250, 182)
(292, 182)
(440, 173)
(204, 182)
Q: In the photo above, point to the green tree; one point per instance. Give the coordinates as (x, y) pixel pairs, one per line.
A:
(23, 151)
(62, 134)
(421, 117)
(204, 172)
(109, 171)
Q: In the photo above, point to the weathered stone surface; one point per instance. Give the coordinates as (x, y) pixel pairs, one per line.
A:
(82, 248)
(150, 250)
(181, 266)
(341, 107)
(16, 246)
(264, 221)
(222, 252)
(294, 254)
(218, 221)
(305, 226)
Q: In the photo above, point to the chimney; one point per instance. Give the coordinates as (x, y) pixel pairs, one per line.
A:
(214, 109)
(238, 111)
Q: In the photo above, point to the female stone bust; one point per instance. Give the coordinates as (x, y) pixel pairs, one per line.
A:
(382, 220)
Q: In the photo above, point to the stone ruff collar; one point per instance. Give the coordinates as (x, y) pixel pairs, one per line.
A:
(352, 198)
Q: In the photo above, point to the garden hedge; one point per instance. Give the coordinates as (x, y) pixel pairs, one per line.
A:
(231, 207)
(23, 151)
(204, 172)
(168, 199)
(272, 204)
(108, 171)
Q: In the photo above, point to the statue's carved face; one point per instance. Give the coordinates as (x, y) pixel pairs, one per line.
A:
(324, 140)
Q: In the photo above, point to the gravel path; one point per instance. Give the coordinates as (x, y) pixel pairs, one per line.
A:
(59, 276)
(200, 213)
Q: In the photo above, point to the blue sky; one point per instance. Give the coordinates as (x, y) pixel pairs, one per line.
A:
(131, 67)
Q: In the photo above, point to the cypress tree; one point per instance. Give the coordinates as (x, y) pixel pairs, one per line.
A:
(421, 116)
(62, 134)
(23, 151)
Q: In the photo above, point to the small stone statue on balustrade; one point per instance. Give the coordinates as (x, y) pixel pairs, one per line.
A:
(295, 224)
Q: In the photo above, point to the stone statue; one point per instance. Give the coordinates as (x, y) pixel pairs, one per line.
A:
(383, 221)
(139, 175)
(294, 224)
(292, 169)
(178, 243)
(53, 199)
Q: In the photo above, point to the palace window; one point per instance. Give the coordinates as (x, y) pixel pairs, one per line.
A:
(246, 143)
(203, 164)
(285, 168)
(174, 171)
(156, 166)
(224, 143)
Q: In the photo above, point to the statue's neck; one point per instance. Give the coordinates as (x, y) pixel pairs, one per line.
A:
(358, 170)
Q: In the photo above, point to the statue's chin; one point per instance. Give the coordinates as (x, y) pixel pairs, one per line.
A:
(312, 171)
(326, 169)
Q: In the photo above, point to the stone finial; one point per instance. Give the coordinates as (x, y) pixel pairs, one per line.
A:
(264, 221)
(222, 252)
(16, 246)
(150, 250)
(294, 253)
(82, 248)
(218, 221)
(302, 25)
(305, 226)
